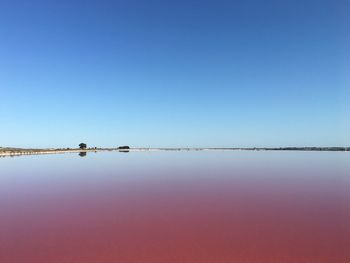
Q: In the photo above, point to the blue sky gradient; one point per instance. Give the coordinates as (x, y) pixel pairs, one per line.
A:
(174, 73)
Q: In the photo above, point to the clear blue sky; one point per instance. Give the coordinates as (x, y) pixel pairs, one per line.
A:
(174, 73)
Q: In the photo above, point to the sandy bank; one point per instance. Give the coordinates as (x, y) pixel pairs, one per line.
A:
(5, 152)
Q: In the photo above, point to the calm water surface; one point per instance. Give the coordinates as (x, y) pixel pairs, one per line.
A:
(251, 207)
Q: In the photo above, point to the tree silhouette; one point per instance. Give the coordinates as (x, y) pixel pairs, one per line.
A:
(123, 147)
(82, 146)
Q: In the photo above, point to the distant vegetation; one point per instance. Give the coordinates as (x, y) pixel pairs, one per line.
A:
(9, 151)
(82, 146)
(123, 148)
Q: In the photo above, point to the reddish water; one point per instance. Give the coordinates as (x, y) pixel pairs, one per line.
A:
(251, 207)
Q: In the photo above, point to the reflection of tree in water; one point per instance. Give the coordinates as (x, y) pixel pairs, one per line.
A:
(82, 154)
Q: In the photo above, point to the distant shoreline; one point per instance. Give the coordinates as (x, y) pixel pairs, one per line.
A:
(18, 151)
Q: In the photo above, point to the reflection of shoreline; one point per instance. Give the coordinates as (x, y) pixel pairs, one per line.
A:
(18, 152)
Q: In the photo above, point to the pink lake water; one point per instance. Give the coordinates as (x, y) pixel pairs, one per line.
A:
(217, 207)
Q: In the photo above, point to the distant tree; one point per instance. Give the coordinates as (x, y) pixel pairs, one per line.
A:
(123, 147)
(82, 146)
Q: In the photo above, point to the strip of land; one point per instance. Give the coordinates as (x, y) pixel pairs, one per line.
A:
(7, 151)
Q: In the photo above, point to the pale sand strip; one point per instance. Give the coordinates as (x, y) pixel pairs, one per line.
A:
(18, 152)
